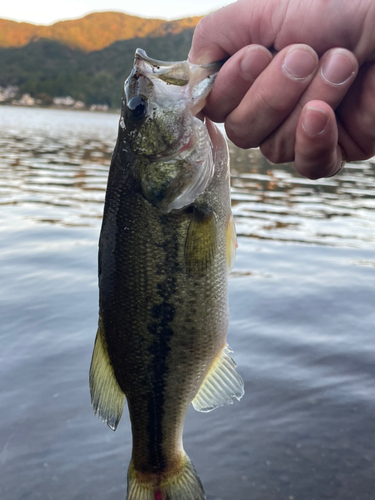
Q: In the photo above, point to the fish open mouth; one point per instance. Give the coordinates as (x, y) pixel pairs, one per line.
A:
(187, 82)
(176, 72)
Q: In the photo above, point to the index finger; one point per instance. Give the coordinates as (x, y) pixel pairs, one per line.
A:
(227, 30)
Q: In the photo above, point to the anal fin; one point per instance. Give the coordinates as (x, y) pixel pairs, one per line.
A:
(221, 385)
(107, 398)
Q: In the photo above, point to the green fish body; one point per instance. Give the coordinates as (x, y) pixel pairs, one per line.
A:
(166, 244)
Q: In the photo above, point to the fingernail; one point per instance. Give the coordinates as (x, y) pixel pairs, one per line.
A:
(337, 68)
(314, 121)
(300, 62)
(254, 60)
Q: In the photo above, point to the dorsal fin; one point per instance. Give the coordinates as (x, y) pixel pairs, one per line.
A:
(221, 385)
(107, 398)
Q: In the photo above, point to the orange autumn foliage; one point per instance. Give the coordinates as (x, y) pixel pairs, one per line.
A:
(92, 32)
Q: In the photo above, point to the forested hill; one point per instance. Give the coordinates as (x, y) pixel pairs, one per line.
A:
(92, 32)
(88, 60)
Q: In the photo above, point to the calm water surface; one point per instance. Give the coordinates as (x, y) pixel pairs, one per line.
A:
(302, 299)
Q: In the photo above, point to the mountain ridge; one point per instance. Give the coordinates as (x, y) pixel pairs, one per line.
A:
(91, 32)
(47, 68)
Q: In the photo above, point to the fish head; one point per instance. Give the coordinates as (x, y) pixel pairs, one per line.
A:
(159, 102)
(159, 126)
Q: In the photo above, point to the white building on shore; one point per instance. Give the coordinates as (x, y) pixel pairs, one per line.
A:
(26, 100)
(64, 102)
(8, 93)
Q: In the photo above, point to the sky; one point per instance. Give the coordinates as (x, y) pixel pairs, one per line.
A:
(49, 11)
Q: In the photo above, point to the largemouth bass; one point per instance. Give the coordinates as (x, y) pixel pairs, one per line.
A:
(166, 245)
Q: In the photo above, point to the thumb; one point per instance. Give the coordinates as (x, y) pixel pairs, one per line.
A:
(225, 31)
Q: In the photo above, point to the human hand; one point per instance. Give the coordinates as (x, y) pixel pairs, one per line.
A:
(312, 102)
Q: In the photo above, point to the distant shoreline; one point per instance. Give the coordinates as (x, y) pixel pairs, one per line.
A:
(111, 111)
(83, 63)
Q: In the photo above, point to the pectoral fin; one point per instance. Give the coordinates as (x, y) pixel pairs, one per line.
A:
(221, 385)
(107, 398)
(201, 242)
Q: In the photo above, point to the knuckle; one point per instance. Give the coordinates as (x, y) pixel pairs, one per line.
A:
(216, 113)
(366, 149)
(200, 39)
(214, 116)
(200, 27)
(365, 142)
(277, 149)
(311, 173)
(200, 31)
(272, 107)
(236, 135)
(314, 165)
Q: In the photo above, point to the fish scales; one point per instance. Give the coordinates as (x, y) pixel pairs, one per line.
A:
(169, 317)
(163, 302)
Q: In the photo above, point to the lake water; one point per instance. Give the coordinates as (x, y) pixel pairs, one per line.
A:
(302, 302)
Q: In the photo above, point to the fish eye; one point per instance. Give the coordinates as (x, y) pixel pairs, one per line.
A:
(138, 107)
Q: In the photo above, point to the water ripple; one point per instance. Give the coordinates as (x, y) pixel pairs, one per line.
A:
(49, 165)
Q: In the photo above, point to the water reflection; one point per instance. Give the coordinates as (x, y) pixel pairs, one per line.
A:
(55, 165)
(66, 167)
(302, 314)
(274, 202)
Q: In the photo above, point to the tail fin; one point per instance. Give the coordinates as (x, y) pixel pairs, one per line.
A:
(183, 484)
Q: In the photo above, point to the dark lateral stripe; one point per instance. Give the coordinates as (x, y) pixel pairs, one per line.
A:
(162, 332)
(159, 350)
